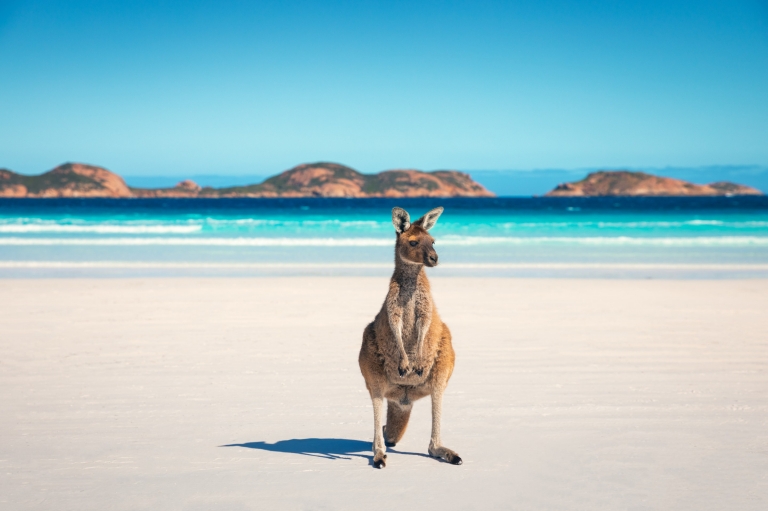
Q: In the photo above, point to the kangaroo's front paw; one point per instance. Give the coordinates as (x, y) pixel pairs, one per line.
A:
(379, 460)
(404, 367)
(418, 370)
(445, 454)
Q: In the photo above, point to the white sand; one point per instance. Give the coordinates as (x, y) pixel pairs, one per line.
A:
(567, 394)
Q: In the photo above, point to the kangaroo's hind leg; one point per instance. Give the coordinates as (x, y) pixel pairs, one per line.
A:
(397, 420)
(441, 373)
(436, 448)
(379, 449)
(375, 382)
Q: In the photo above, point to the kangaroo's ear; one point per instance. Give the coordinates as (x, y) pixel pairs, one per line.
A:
(401, 220)
(429, 220)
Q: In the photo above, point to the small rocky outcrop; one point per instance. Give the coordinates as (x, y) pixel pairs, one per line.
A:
(626, 183)
(186, 188)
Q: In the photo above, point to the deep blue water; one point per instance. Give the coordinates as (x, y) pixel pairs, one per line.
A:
(316, 234)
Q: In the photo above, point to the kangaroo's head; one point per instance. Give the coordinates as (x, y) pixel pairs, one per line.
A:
(414, 245)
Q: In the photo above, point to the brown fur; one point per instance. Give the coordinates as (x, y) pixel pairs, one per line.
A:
(406, 352)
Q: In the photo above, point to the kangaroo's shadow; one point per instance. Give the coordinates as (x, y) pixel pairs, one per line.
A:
(328, 448)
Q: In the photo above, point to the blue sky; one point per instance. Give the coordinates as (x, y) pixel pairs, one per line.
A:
(252, 88)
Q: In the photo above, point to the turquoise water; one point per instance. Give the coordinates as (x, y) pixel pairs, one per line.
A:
(632, 237)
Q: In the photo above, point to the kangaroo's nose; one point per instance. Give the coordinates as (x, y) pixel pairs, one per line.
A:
(433, 258)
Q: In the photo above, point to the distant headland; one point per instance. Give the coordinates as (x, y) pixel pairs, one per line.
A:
(626, 183)
(308, 180)
(325, 179)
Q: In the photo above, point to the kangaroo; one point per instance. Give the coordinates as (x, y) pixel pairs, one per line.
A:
(407, 352)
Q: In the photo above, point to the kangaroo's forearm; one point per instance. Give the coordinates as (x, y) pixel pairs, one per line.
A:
(396, 325)
(422, 326)
(423, 322)
(395, 317)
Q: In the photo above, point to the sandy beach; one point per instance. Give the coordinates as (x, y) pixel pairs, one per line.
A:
(196, 394)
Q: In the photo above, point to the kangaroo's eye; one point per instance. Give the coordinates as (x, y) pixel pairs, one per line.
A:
(414, 243)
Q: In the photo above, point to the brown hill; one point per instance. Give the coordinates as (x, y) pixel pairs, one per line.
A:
(334, 180)
(626, 183)
(68, 180)
(308, 180)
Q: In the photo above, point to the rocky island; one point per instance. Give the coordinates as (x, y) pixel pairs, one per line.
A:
(307, 180)
(627, 183)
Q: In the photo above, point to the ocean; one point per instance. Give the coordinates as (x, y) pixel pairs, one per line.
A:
(696, 237)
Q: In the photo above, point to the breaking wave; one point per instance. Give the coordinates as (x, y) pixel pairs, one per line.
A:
(253, 225)
(691, 241)
(99, 229)
(352, 265)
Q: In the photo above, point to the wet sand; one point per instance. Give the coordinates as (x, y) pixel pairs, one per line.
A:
(236, 394)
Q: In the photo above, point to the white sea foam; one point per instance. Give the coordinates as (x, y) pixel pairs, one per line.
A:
(34, 225)
(225, 242)
(454, 266)
(294, 223)
(638, 224)
(689, 241)
(99, 228)
(194, 225)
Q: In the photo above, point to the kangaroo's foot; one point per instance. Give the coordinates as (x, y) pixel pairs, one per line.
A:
(387, 441)
(438, 451)
(379, 459)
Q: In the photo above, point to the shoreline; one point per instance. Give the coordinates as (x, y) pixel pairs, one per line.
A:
(244, 270)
